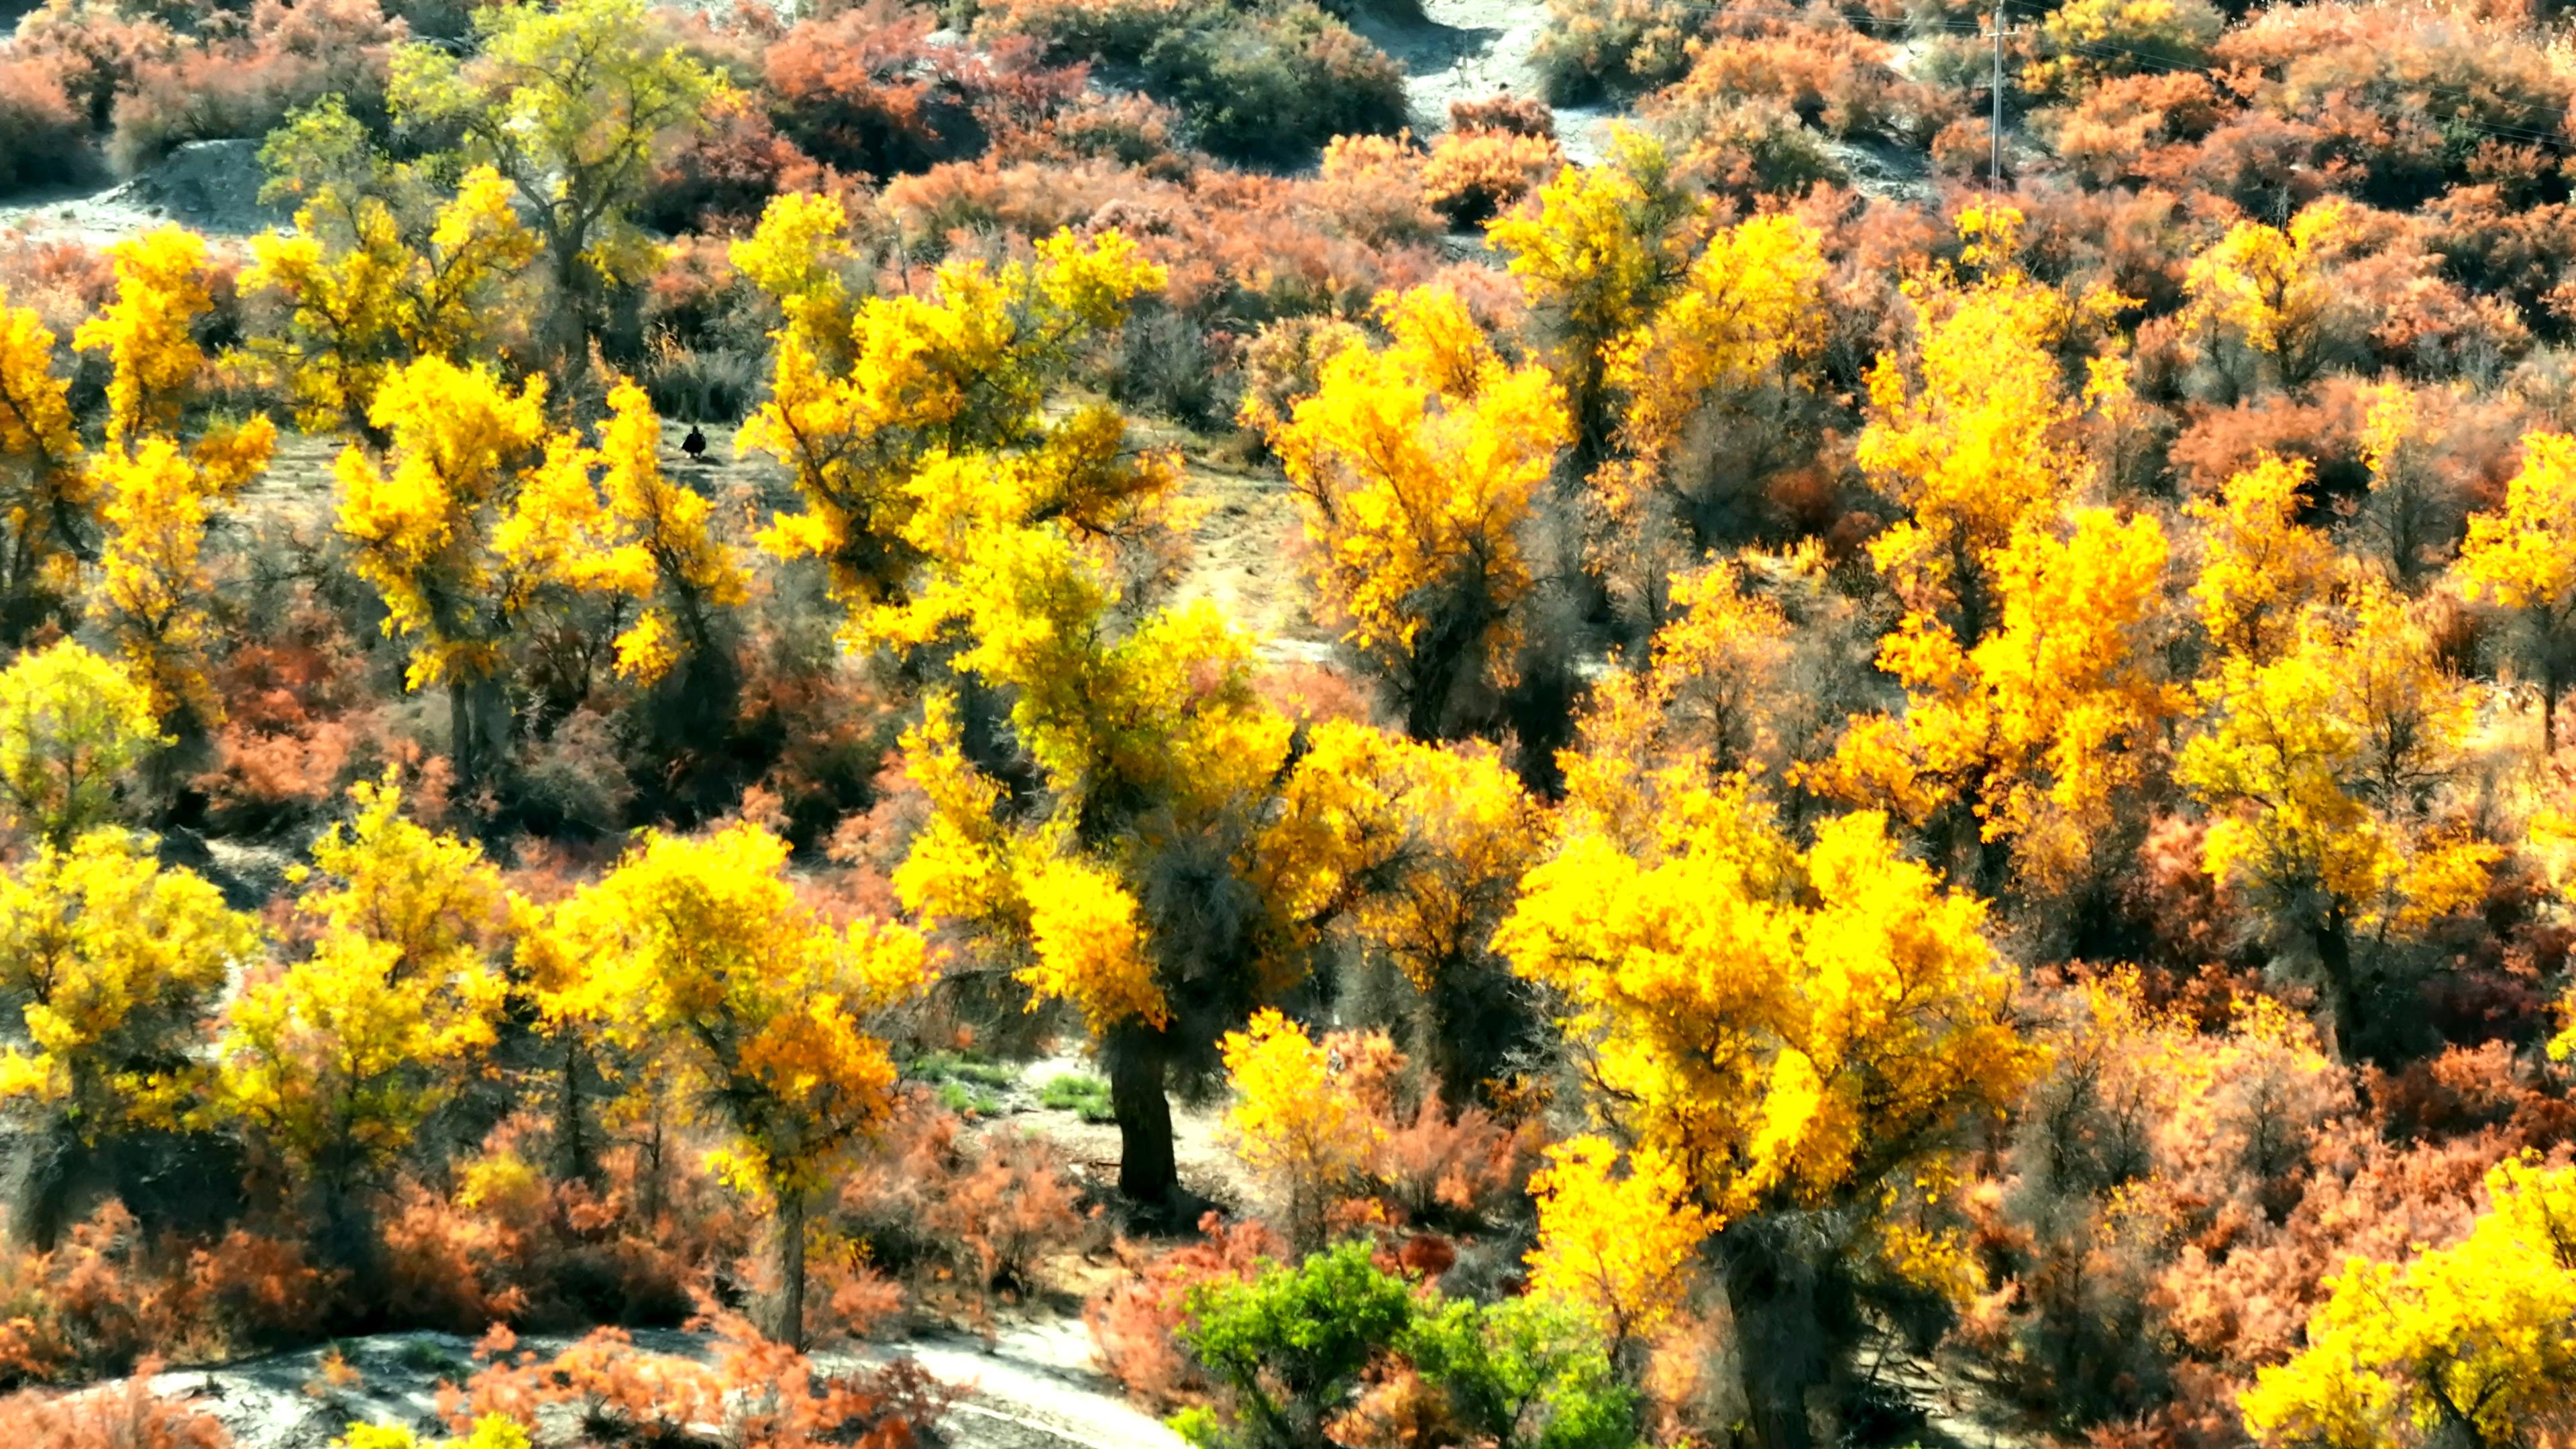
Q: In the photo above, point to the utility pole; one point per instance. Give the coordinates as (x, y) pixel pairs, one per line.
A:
(1995, 159)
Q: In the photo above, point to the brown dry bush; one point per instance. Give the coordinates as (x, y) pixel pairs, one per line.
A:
(1133, 1320)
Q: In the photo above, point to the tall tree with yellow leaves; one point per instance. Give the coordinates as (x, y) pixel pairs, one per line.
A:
(2266, 289)
(334, 1062)
(1802, 1037)
(154, 496)
(44, 492)
(2523, 557)
(2325, 769)
(2463, 1345)
(1970, 431)
(2029, 738)
(699, 951)
(2260, 567)
(421, 523)
(115, 964)
(866, 397)
(570, 105)
(75, 731)
(1416, 464)
(1602, 250)
(352, 295)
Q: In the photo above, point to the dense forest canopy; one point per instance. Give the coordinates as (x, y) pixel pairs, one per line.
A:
(1699, 755)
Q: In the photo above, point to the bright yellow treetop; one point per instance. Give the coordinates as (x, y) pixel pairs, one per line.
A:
(1969, 432)
(355, 310)
(699, 948)
(117, 964)
(2267, 287)
(2463, 1344)
(73, 729)
(2523, 557)
(917, 379)
(2042, 725)
(2260, 567)
(461, 443)
(1792, 1027)
(1620, 1247)
(1417, 463)
(154, 358)
(1296, 1122)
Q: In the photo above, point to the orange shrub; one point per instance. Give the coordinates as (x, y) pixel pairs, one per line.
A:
(754, 1393)
(127, 1415)
(43, 138)
(1474, 175)
(1133, 1320)
(1519, 115)
(287, 56)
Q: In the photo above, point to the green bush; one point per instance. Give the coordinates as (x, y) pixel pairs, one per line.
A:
(1085, 1097)
(1274, 85)
(1288, 1349)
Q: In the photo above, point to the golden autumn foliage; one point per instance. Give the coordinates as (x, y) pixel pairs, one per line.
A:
(2042, 725)
(1295, 1122)
(74, 729)
(1785, 1026)
(335, 1061)
(1970, 432)
(2463, 1344)
(1753, 299)
(1417, 463)
(461, 440)
(2261, 567)
(1622, 1248)
(866, 400)
(2323, 767)
(699, 950)
(2523, 557)
(116, 963)
(46, 491)
(2266, 287)
(360, 299)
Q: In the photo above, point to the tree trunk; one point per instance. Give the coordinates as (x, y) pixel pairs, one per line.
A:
(1783, 1333)
(1147, 1174)
(580, 1164)
(2548, 701)
(791, 1271)
(2343, 995)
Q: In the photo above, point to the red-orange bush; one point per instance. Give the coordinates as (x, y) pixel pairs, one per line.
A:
(124, 1415)
(1133, 1320)
(286, 56)
(43, 137)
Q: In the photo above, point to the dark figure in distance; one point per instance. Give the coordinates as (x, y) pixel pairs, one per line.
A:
(695, 444)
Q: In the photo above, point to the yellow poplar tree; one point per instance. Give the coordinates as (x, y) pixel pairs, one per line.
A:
(2523, 557)
(2323, 770)
(2041, 726)
(865, 399)
(1417, 463)
(116, 964)
(1602, 250)
(1787, 1029)
(2260, 568)
(1970, 432)
(421, 522)
(571, 105)
(606, 520)
(700, 949)
(1753, 300)
(1623, 1248)
(2460, 1345)
(2267, 288)
(1294, 1122)
(74, 729)
(335, 1061)
(355, 298)
(44, 493)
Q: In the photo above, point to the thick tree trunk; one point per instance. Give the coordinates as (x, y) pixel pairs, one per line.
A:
(791, 1271)
(1789, 1336)
(579, 1163)
(1148, 1176)
(2333, 941)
